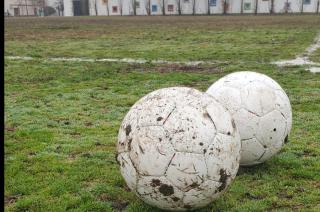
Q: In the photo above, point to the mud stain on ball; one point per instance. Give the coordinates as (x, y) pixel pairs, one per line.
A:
(194, 185)
(166, 190)
(155, 182)
(223, 179)
(129, 144)
(175, 199)
(159, 118)
(128, 130)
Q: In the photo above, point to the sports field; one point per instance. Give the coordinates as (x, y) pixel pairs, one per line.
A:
(63, 109)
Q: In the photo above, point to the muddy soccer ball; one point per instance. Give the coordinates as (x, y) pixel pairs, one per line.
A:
(178, 148)
(261, 110)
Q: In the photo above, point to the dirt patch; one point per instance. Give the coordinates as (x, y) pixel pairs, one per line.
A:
(284, 195)
(252, 197)
(119, 205)
(11, 199)
(174, 66)
(88, 124)
(10, 129)
(75, 134)
(101, 144)
(309, 153)
(186, 68)
(275, 206)
(87, 155)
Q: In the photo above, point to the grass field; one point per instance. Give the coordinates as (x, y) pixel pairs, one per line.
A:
(62, 118)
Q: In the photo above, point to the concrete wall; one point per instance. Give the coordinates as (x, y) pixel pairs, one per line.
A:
(7, 6)
(201, 7)
(264, 6)
(25, 7)
(294, 6)
(28, 7)
(311, 8)
(68, 8)
(54, 4)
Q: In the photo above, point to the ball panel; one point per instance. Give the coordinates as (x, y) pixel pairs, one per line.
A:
(229, 97)
(223, 156)
(187, 170)
(189, 131)
(151, 143)
(221, 119)
(269, 82)
(258, 98)
(251, 151)
(251, 120)
(127, 170)
(269, 152)
(211, 187)
(272, 130)
(196, 198)
(158, 191)
(156, 112)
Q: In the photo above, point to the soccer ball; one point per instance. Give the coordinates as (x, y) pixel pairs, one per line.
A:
(261, 110)
(178, 149)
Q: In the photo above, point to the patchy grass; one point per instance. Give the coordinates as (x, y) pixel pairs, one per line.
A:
(316, 56)
(62, 118)
(234, 38)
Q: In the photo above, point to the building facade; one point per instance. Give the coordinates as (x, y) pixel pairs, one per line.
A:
(156, 7)
(187, 7)
(33, 7)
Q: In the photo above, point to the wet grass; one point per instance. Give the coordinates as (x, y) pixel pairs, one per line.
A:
(316, 56)
(62, 119)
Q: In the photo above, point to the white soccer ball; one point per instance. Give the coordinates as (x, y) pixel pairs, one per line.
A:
(178, 149)
(261, 110)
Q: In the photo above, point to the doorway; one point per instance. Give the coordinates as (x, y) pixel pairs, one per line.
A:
(16, 11)
(80, 7)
